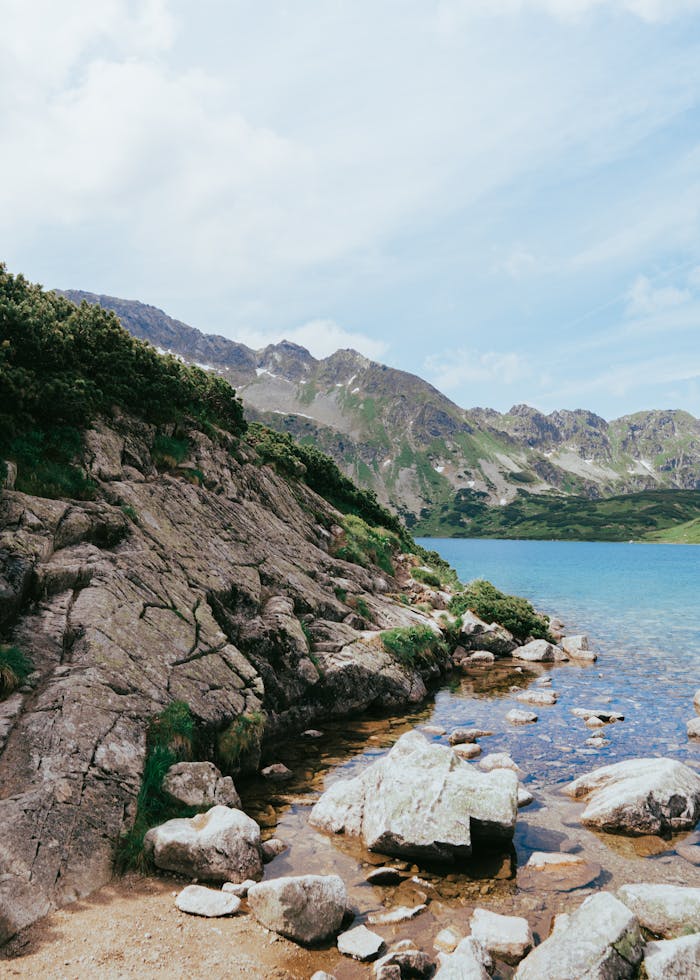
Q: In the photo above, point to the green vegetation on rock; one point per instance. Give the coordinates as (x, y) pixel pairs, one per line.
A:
(365, 545)
(242, 736)
(488, 603)
(170, 739)
(413, 646)
(15, 667)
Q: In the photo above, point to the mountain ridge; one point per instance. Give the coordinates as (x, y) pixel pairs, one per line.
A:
(423, 454)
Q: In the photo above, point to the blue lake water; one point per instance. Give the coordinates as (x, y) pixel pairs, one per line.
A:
(639, 604)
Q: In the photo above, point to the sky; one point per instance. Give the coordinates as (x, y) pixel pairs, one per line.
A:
(502, 196)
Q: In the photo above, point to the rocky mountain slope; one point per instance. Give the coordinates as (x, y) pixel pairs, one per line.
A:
(425, 457)
(180, 569)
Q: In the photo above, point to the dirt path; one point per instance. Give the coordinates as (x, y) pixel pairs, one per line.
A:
(131, 928)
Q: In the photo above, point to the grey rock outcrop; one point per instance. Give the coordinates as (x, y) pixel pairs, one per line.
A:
(666, 910)
(306, 909)
(475, 634)
(219, 845)
(200, 784)
(639, 796)
(601, 940)
(540, 651)
(161, 589)
(421, 800)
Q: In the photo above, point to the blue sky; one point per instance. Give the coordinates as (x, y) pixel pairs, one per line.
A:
(502, 196)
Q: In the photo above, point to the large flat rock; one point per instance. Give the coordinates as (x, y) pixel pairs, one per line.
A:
(639, 796)
(421, 800)
(665, 910)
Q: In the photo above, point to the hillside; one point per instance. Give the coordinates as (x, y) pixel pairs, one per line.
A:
(172, 587)
(429, 460)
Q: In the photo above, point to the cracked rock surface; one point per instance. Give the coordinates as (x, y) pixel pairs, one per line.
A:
(160, 590)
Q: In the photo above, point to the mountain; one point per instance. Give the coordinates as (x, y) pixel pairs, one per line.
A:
(172, 588)
(432, 462)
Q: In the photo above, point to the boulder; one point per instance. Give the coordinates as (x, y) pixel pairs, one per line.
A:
(196, 900)
(525, 797)
(410, 961)
(271, 848)
(305, 909)
(470, 961)
(506, 937)
(693, 728)
(200, 784)
(447, 940)
(666, 910)
(360, 944)
(600, 714)
(421, 800)
(498, 760)
(673, 959)
(539, 651)
(601, 940)
(219, 845)
(483, 657)
(516, 716)
(237, 888)
(696, 700)
(639, 796)
(277, 773)
(577, 647)
(475, 634)
(467, 750)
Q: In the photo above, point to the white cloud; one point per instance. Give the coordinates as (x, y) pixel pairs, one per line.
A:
(645, 299)
(320, 337)
(451, 12)
(451, 369)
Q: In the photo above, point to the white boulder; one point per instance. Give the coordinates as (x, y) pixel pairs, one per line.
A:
(219, 845)
(577, 647)
(196, 900)
(421, 800)
(506, 937)
(673, 959)
(306, 909)
(470, 961)
(537, 697)
(639, 796)
(516, 716)
(601, 940)
(666, 910)
(360, 944)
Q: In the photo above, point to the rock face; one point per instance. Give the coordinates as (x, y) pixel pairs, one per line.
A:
(640, 796)
(666, 910)
(601, 940)
(200, 784)
(539, 651)
(421, 800)
(306, 909)
(166, 587)
(220, 845)
(673, 959)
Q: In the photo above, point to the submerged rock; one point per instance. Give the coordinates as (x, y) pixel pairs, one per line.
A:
(639, 796)
(665, 910)
(516, 716)
(537, 697)
(459, 736)
(421, 800)
(219, 845)
(307, 908)
(601, 940)
(200, 784)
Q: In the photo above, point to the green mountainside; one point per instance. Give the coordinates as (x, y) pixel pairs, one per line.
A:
(445, 470)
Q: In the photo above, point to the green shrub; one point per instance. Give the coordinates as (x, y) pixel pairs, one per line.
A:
(363, 609)
(46, 464)
(365, 545)
(169, 739)
(169, 450)
(515, 613)
(426, 577)
(340, 594)
(413, 645)
(242, 735)
(15, 667)
(130, 512)
(306, 630)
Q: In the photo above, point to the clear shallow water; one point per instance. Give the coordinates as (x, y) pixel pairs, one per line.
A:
(639, 606)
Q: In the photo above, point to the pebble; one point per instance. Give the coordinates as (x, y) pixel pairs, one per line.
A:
(277, 772)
